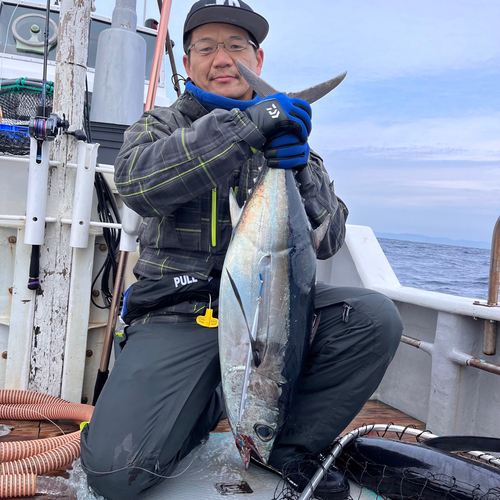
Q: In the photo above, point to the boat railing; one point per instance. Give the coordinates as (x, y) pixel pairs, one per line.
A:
(491, 327)
(365, 256)
(458, 357)
(375, 272)
(448, 386)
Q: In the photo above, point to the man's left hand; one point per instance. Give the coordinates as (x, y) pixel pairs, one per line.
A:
(287, 152)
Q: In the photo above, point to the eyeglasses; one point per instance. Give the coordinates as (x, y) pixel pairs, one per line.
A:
(207, 46)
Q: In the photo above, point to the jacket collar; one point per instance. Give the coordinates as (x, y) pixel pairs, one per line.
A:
(188, 105)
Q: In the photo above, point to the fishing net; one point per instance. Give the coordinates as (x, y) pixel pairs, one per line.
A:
(375, 479)
(19, 100)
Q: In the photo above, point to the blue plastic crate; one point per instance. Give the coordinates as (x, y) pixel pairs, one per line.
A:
(14, 139)
(16, 130)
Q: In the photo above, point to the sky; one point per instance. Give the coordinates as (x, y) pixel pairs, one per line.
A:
(412, 136)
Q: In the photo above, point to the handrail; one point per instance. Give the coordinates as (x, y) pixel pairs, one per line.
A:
(490, 327)
(456, 356)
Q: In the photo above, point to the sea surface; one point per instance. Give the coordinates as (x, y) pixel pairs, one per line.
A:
(449, 269)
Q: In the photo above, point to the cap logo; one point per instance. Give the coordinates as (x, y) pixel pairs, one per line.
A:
(234, 3)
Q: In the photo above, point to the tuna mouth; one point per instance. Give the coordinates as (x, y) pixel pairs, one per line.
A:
(246, 447)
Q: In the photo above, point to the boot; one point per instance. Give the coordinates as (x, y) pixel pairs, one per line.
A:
(333, 485)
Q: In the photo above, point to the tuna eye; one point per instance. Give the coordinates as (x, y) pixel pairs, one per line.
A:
(264, 432)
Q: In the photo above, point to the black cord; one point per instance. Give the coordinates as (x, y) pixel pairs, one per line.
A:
(176, 79)
(108, 212)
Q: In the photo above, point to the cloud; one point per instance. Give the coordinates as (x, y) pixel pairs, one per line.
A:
(395, 184)
(383, 39)
(473, 138)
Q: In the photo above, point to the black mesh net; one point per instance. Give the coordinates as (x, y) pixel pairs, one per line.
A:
(408, 484)
(373, 478)
(19, 100)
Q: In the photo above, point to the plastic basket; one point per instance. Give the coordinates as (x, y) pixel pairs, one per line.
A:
(14, 139)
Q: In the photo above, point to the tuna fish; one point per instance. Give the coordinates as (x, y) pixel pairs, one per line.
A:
(266, 307)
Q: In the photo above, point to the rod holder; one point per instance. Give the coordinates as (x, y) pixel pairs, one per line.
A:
(131, 222)
(36, 202)
(84, 191)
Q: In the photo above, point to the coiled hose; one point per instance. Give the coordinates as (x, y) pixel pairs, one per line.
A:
(21, 461)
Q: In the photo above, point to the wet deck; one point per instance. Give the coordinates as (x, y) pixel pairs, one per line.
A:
(373, 412)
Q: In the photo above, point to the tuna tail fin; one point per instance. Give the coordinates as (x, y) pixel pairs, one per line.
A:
(312, 94)
(320, 232)
(234, 209)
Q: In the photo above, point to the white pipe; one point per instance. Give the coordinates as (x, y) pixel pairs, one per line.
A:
(103, 167)
(128, 242)
(36, 202)
(131, 222)
(111, 225)
(23, 218)
(84, 188)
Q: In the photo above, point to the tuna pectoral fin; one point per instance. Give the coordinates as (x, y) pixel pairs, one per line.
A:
(319, 232)
(253, 347)
(234, 209)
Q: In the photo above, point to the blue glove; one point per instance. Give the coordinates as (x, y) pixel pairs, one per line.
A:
(279, 114)
(287, 152)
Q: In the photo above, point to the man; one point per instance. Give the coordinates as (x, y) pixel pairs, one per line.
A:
(176, 168)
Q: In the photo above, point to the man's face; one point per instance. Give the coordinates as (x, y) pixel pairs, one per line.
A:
(217, 73)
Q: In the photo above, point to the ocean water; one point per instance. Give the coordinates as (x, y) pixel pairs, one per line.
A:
(449, 269)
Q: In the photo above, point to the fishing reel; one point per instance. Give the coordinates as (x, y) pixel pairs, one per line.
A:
(47, 128)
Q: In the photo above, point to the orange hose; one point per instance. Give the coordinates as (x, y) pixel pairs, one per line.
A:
(16, 450)
(17, 486)
(11, 397)
(43, 463)
(66, 411)
(22, 460)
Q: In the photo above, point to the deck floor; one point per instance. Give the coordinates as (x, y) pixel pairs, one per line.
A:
(373, 412)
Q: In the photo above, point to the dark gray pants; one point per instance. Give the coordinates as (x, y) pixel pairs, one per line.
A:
(160, 400)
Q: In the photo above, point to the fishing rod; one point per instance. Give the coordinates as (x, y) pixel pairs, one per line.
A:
(42, 128)
(45, 56)
(103, 371)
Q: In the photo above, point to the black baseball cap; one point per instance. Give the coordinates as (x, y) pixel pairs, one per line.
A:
(233, 12)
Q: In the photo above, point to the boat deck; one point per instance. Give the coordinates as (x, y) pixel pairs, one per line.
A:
(373, 412)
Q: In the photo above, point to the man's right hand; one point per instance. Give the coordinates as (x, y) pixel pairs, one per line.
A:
(287, 152)
(279, 114)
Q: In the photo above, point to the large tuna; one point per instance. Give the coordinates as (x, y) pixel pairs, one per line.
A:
(266, 308)
(266, 303)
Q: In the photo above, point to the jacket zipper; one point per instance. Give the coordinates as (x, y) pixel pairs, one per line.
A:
(345, 314)
(214, 217)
